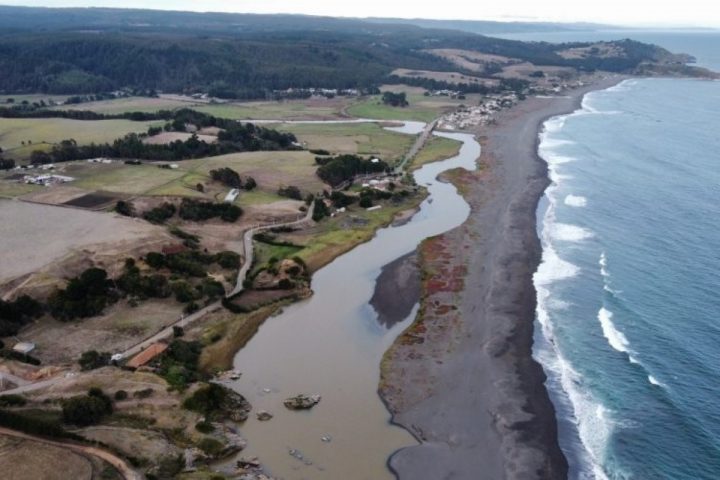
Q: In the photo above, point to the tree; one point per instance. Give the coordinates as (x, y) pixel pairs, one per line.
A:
(321, 210)
(250, 184)
(38, 157)
(125, 208)
(395, 99)
(93, 359)
(290, 191)
(366, 202)
(84, 410)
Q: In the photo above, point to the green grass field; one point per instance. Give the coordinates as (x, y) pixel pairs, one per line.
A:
(334, 236)
(420, 108)
(263, 252)
(33, 131)
(31, 98)
(269, 169)
(129, 104)
(285, 110)
(257, 197)
(437, 148)
(130, 179)
(359, 138)
(9, 189)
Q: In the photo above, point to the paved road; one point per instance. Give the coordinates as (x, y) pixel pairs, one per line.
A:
(248, 246)
(418, 145)
(125, 470)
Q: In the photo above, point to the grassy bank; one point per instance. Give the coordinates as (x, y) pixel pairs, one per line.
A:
(437, 148)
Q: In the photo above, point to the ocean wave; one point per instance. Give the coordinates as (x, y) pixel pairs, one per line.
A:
(553, 268)
(554, 124)
(603, 265)
(591, 418)
(623, 86)
(589, 109)
(550, 143)
(569, 233)
(615, 337)
(575, 201)
(654, 381)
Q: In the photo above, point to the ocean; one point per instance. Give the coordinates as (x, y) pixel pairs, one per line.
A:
(629, 284)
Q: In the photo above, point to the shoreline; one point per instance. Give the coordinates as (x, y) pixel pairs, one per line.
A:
(462, 378)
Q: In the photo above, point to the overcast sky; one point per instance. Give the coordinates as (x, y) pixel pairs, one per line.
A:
(620, 12)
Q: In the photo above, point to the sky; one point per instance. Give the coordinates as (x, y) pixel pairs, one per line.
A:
(666, 13)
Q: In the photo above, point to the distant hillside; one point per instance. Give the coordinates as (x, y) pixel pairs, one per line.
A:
(485, 27)
(244, 56)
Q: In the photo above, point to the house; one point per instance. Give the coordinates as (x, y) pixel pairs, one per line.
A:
(24, 347)
(47, 180)
(147, 355)
(232, 195)
(174, 249)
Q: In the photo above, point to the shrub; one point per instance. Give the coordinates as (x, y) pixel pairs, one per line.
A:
(160, 214)
(144, 393)
(12, 401)
(290, 191)
(125, 208)
(121, 395)
(204, 427)
(211, 446)
(227, 259)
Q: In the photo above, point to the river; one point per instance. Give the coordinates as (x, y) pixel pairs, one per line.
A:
(332, 345)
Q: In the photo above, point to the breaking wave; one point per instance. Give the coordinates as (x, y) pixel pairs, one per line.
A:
(575, 201)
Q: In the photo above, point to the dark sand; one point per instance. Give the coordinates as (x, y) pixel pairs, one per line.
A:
(397, 290)
(462, 378)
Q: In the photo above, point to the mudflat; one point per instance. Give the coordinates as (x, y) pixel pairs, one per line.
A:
(462, 378)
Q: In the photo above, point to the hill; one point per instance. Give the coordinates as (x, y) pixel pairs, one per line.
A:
(67, 51)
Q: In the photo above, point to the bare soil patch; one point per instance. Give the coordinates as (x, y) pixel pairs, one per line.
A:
(27, 460)
(34, 236)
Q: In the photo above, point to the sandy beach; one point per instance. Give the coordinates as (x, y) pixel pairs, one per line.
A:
(462, 378)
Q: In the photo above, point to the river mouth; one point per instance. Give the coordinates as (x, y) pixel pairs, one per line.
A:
(332, 344)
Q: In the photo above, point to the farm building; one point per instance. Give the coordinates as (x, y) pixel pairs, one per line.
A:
(24, 347)
(147, 355)
(232, 195)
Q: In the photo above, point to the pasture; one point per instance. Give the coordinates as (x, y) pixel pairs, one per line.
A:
(357, 138)
(20, 136)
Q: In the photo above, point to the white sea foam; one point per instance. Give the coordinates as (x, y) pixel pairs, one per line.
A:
(615, 338)
(592, 419)
(654, 381)
(589, 109)
(575, 201)
(603, 265)
(623, 86)
(569, 233)
(593, 422)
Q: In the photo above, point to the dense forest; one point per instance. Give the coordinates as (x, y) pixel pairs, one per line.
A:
(70, 51)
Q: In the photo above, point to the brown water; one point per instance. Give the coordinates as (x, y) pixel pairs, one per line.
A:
(332, 345)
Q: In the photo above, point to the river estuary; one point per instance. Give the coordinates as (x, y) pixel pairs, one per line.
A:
(331, 345)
